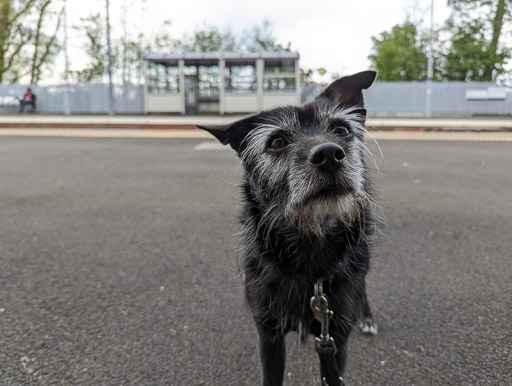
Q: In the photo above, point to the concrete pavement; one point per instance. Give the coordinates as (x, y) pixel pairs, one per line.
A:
(499, 124)
(118, 266)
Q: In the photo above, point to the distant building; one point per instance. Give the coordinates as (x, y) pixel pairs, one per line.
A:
(220, 83)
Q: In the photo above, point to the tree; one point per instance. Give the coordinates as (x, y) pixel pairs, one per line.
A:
(213, 39)
(476, 49)
(208, 39)
(470, 57)
(306, 75)
(399, 54)
(45, 47)
(261, 38)
(95, 48)
(164, 40)
(130, 54)
(14, 36)
(27, 45)
(129, 48)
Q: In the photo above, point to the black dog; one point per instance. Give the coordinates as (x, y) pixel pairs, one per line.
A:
(307, 217)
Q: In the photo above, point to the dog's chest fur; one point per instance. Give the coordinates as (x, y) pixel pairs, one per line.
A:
(282, 264)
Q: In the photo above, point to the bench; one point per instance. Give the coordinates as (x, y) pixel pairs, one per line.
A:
(11, 104)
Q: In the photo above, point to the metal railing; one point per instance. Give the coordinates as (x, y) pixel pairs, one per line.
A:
(88, 98)
(448, 98)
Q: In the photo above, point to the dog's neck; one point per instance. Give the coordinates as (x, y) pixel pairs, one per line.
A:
(296, 249)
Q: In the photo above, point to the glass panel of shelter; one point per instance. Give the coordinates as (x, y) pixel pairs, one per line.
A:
(163, 78)
(240, 77)
(279, 75)
(279, 66)
(209, 82)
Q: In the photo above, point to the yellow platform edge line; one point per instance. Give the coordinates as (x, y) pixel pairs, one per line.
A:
(191, 134)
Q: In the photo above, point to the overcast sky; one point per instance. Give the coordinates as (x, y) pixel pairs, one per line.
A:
(334, 34)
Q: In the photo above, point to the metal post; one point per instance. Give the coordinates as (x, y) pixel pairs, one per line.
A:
(145, 88)
(181, 65)
(67, 109)
(430, 64)
(297, 83)
(110, 85)
(260, 70)
(222, 67)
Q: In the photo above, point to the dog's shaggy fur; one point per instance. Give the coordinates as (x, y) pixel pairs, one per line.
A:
(308, 216)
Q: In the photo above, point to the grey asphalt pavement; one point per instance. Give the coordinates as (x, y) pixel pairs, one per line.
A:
(118, 266)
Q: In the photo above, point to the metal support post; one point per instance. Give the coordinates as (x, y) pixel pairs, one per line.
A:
(109, 46)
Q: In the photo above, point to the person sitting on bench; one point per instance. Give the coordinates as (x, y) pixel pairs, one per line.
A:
(28, 99)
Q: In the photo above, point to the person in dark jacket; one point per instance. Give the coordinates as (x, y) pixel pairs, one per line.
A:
(28, 99)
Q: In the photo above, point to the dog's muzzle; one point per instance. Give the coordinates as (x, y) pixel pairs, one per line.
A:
(327, 157)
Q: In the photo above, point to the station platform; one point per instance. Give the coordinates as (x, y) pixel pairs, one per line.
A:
(482, 124)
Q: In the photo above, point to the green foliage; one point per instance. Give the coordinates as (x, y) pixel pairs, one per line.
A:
(306, 75)
(471, 57)
(14, 36)
(213, 39)
(95, 48)
(473, 47)
(261, 38)
(476, 49)
(131, 52)
(208, 39)
(399, 55)
(45, 47)
(163, 41)
(27, 45)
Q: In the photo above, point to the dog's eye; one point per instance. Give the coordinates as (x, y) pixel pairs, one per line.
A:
(343, 132)
(278, 143)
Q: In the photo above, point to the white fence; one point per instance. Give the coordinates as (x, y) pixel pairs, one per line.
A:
(448, 98)
(382, 99)
(83, 98)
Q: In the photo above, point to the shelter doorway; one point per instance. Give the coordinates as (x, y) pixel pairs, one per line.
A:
(191, 94)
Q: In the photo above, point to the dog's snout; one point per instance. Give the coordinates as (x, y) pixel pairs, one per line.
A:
(326, 156)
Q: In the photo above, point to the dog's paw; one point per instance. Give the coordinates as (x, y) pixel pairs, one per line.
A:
(369, 327)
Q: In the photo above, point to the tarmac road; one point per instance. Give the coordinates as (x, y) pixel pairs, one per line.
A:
(118, 267)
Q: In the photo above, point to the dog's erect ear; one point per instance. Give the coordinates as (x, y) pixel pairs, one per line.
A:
(233, 133)
(347, 90)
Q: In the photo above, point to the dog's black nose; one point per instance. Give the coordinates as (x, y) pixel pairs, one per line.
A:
(326, 156)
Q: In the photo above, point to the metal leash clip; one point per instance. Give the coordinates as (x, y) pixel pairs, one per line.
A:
(320, 308)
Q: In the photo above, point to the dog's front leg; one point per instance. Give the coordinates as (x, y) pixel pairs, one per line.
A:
(272, 355)
(341, 342)
(368, 325)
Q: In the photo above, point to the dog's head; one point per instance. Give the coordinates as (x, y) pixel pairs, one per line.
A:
(306, 163)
